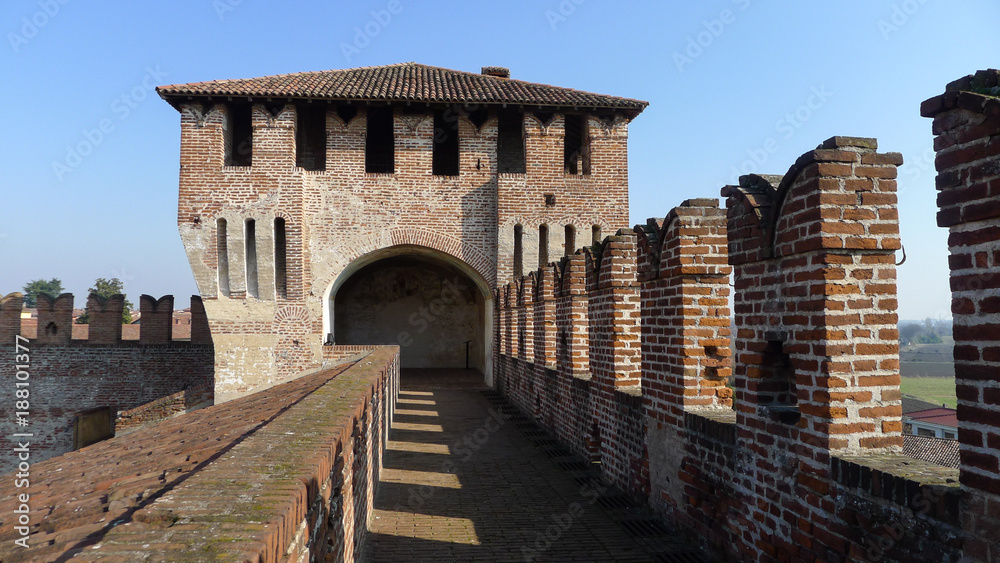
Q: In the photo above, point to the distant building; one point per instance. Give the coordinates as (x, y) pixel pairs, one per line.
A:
(939, 422)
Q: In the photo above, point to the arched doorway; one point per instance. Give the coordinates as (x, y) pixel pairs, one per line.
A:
(436, 308)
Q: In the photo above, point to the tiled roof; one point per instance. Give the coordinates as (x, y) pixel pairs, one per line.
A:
(913, 404)
(935, 450)
(403, 82)
(940, 415)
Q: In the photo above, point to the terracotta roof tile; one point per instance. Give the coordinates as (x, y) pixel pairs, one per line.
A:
(941, 451)
(403, 82)
(939, 415)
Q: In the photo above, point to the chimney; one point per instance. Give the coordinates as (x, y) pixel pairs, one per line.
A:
(497, 71)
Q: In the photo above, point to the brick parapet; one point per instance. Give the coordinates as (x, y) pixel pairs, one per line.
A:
(544, 311)
(817, 367)
(55, 319)
(572, 321)
(685, 311)
(156, 316)
(305, 498)
(526, 318)
(754, 482)
(200, 331)
(967, 141)
(105, 318)
(11, 306)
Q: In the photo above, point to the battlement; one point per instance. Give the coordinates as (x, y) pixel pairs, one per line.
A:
(100, 369)
(54, 325)
(736, 424)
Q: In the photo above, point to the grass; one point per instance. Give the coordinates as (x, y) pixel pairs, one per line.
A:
(937, 390)
(927, 369)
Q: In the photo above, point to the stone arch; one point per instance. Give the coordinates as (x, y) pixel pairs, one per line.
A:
(421, 246)
(409, 236)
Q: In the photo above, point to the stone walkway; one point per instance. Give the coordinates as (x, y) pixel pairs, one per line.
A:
(467, 478)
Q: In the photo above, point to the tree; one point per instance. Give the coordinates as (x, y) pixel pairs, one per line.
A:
(52, 288)
(106, 288)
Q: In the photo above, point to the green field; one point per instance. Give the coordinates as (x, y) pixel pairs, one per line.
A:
(928, 372)
(937, 390)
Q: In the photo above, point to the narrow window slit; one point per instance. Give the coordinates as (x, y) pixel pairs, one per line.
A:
(280, 259)
(251, 258)
(222, 249)
(570, 244)
(543, 245)
(518, 252)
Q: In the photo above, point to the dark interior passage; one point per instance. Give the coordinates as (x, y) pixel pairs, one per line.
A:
(427, 307)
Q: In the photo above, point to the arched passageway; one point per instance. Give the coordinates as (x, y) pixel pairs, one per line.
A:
(423, 301)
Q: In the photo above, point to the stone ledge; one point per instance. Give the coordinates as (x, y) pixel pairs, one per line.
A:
(199, 478)
(716, 424)
(918, 485)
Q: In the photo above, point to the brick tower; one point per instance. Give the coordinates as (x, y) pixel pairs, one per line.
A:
(323, 211)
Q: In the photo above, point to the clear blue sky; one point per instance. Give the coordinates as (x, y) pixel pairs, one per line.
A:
(727, 81)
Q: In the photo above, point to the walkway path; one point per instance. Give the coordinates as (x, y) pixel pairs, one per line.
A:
(467, 478)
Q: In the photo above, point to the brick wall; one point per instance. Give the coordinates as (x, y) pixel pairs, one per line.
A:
(70, 377)
(342, 216)
(300, 499)
(685, 323)
(781, 441)
(158, 410)
(817, 368)
(967, 140)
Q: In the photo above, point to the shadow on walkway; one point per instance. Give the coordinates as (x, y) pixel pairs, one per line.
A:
(468, 478)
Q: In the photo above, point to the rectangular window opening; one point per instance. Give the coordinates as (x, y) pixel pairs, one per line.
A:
(543, 245)
(570, 245)
(595, 234)
(518, 252)
(510, 143)
(445, 158)
(251, 258)
(380, 149)
(280, 259)
(222, 249)
(576, 145)
(777, 390)
(93, 426)
(310, 137)
(238, 131)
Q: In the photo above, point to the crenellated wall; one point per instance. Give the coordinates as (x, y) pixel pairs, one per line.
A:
(71, 377)
(772, 432)
(967, 140)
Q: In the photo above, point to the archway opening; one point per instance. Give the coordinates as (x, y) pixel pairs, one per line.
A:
(426, 305)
